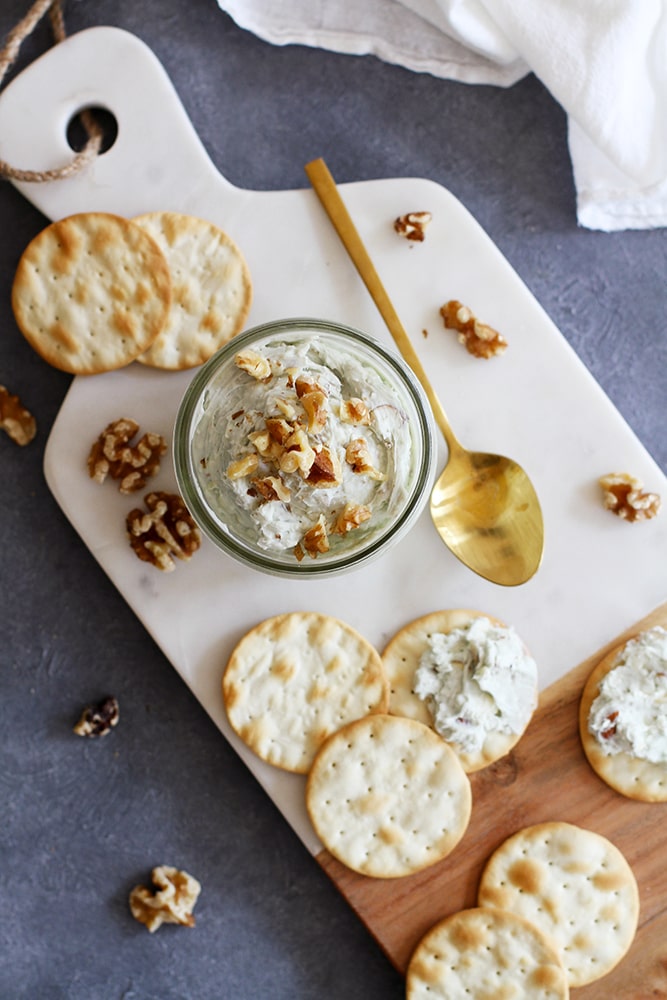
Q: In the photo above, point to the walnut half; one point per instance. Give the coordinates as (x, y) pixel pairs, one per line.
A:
(165, 532)
(18, 422)
(622, 494)
(171, 901)
(113, 455)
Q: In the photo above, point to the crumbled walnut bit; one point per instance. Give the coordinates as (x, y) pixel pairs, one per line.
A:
(299, 455)
(316, 411)
(254, 364)
(271, 488)
(287, 409)
(479, 339)
(622, 494)
(303, 385)
(171, 901)
(18, 422)
(358, 457)
(351, 516)
(413, 225)
(265, 445)
(279, 429)
(354, 411)
(113, 455)
(315, 539)
(244, 466)
(167, 530)
(325, 470)
(98, 720)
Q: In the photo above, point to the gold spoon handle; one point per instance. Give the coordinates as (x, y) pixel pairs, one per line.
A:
(325, 188)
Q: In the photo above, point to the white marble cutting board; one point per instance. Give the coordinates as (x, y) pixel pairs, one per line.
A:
(536, 403)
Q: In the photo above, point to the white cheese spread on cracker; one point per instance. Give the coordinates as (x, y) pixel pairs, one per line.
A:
(477, 679)
(309, 442)
(629, 714)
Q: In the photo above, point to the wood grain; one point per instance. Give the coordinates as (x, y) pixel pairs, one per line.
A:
(546, 777)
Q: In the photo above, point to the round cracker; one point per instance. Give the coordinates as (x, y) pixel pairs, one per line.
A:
(485, 954)
(211, 289)
(572, 884)
(387, 796)
(401, 658)
(91, 292)
(629, 775)
(296, 678)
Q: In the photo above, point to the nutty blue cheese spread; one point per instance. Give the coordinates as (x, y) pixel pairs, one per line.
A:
(309, 443)
(477, 679)
(629, 714)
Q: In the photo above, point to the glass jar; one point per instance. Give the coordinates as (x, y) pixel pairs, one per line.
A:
(367, 415)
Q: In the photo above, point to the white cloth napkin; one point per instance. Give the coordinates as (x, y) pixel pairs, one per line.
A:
(604, 61)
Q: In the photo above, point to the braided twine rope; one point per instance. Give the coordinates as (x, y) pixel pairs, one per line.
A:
(8, 56)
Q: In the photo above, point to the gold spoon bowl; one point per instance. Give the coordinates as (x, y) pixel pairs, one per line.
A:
(483, 506)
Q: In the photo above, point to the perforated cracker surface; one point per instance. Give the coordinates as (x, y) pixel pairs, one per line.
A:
(485, 954)
(575, 886)
(211, 289)
(387, 796)
(296, 678)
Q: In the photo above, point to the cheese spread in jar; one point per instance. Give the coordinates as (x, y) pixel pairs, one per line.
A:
(629, 714)
(476, 680)
(306, 442)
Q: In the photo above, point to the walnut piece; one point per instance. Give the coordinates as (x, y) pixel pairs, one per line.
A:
(98, 720)
(244, 466)
(358, 457)
(113, 455)
(622, 494)
(413, 225)
(254, 364)
(171, 901)
(354, 411)
(165, 532)
(351, 516)
(480, 340)
(315, 539)
(18, 422)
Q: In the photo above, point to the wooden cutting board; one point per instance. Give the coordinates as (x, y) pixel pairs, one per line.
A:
(546, 777)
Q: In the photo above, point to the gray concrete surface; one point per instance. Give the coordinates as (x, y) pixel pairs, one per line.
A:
(82, 822)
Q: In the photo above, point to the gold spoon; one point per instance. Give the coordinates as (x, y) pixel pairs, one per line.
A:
(483, 506)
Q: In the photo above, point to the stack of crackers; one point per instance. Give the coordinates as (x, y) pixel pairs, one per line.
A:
(95, 291)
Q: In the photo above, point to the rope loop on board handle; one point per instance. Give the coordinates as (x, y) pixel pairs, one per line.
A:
(8, 56)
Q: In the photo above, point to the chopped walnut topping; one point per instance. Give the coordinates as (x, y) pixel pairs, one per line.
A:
(265, 445)
(358, 457)
(351, 516)
(622, 494)
(299, 454)
(171, 900)
(271, 488)
(98, 720)
(18, 422)
(254, 364)
(354, 411)
(165, 532)
(325, 470)
(479, 339)
(413, 225)
(279, 429)
(315, 539)
(113, 455)
(314, 404)
(244, 466)
(287, 409)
